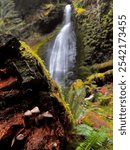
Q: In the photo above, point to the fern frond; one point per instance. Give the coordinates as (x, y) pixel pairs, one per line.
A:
(10, 22)
(93, 140)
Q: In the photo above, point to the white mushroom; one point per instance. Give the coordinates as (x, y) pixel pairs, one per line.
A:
(47, 114)
(35, 110)
(28, 113)
(20, 137)
(55, 144)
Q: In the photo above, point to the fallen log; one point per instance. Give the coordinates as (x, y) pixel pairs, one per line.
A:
(33, 114)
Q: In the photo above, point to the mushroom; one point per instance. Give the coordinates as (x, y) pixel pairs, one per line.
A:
(35, 110)
(20, 137)
(28, 113)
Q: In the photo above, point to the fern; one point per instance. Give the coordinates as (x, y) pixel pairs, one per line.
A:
(93, 140)
(75, 99)
(10, 23)
(83, 130)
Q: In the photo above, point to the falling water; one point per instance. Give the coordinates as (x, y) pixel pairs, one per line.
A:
(63, 51)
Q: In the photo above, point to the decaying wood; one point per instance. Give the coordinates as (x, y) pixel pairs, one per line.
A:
(30, 118)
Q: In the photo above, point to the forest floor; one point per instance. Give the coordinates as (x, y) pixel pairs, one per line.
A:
(100, 112)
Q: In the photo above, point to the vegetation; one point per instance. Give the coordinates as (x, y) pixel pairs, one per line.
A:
(10, 22)
(75, 98)
(80, 10)
(93, 139)
(93, 124)
(102, 67)
(91, 117)
(101, 78)
(94, 34)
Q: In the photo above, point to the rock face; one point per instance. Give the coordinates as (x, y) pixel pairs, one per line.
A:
(33, 114)
(43, 20)
(28, 7)
(94, 30)
(49, 23)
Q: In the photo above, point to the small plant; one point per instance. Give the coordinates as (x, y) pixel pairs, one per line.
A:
(75, 99)
(105, 100)
(91, 139)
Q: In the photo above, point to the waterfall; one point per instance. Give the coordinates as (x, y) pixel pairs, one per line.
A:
(63, 51)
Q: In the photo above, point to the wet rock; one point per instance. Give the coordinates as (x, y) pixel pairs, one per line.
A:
(48, 24)
(8, 98)
(29, 7)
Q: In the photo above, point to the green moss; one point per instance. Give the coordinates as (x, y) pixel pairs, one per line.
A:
(28, 53)
(94, 37)
(78, 84)
(78, 3)
(80, 10)
(66, 106)
(42, 42)
(101, 78)
(102, 67)
(47, 8)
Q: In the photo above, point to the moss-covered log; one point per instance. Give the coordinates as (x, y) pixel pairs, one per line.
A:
(25, 84)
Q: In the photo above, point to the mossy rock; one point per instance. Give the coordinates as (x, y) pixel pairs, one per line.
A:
(95, 120)
(94, 35)
(101, 78)
(102, 67)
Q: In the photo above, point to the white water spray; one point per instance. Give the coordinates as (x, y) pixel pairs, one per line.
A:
(63, 51)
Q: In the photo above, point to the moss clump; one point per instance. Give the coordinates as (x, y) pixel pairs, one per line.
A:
(102, 67)
(42, 42)
(95, 120)
(47, 8)
(77, 84)
(101, 78)
(80, 10)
